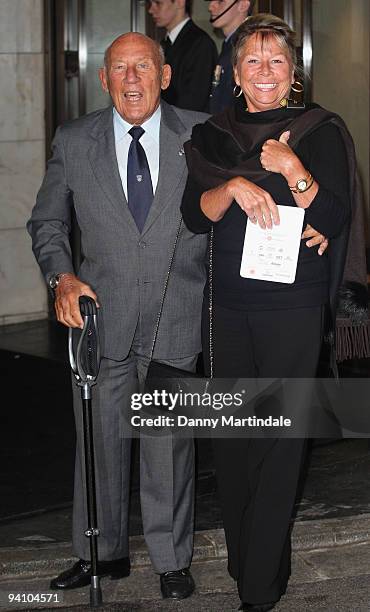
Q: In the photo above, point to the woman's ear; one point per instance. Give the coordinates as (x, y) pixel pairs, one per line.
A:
(236, 77)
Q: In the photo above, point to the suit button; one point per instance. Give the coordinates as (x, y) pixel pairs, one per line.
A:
(142, 244)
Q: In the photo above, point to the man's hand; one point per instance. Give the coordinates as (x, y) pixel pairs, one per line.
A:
(67, 294)
(315, 238)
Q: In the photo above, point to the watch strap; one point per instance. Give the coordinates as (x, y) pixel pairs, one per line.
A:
(309, 180)
(55, 279)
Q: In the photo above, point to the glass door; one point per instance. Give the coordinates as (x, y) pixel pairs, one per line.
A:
(102, 23)
(77, 34)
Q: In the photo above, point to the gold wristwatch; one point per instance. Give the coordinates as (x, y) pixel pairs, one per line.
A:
(303, 184)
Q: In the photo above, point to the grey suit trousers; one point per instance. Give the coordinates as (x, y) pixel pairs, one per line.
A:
(166, 471)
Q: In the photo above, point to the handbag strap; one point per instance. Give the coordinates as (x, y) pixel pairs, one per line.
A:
(210, 306)
(165, 290)
(210, 281)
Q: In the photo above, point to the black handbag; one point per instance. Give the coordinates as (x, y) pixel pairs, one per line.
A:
(161, 375)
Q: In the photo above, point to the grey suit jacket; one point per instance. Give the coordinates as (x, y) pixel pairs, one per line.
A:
(126, 269)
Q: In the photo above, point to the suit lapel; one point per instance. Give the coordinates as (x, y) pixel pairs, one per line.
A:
(102, 156)
(172, 162)
(183, 34)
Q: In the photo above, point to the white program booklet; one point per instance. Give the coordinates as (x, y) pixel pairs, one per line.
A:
(272, 254)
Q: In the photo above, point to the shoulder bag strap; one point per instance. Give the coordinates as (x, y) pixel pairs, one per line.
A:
(210, 280)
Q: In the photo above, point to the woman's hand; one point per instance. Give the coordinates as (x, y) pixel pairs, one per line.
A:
(255, 201)
(315, 238)
(277, 156)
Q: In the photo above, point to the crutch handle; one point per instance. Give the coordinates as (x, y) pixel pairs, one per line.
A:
(84, 346)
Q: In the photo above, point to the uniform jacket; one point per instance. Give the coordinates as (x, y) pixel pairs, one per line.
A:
(192, 57)
(223, 81)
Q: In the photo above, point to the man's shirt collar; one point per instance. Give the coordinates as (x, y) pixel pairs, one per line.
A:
(151, 125)
(173, 34)
(227, 38)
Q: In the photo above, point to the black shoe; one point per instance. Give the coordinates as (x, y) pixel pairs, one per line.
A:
(177, 585)
(79, 574)
(264, 607)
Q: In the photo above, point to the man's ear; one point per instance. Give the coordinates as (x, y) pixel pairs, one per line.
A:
(103, 79)
(243, 6)
(166, 76)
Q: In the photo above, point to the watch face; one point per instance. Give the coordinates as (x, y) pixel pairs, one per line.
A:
(302, 184)
(53, 282)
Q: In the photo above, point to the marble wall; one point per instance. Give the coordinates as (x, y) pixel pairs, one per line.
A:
(23, 295)
(341, 72)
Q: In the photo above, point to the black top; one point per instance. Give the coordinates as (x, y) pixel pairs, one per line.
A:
(192, 58)
(323, 153)
(223, 82)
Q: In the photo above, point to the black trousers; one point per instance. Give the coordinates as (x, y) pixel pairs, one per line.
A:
(257, 478)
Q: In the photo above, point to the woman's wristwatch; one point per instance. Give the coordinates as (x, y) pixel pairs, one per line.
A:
(303, 184)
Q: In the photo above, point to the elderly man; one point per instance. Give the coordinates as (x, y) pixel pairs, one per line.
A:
(227, 15)
(123, 170)
(191, 53)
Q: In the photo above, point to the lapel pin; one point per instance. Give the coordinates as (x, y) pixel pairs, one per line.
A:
(181, 152)
(139, 178)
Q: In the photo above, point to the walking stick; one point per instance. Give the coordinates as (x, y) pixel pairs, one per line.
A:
(84, 344)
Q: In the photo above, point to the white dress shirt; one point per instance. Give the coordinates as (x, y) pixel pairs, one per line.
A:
(176, 30)
(149, 141)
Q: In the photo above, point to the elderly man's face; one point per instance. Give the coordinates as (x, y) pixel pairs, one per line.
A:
(133, 77)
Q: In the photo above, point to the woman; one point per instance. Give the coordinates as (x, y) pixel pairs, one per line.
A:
(261, 152)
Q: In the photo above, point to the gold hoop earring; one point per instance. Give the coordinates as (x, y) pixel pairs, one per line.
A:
(240, 92)
(298, 87)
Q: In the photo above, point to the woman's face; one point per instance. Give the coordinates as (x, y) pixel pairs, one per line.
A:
(264, 72)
